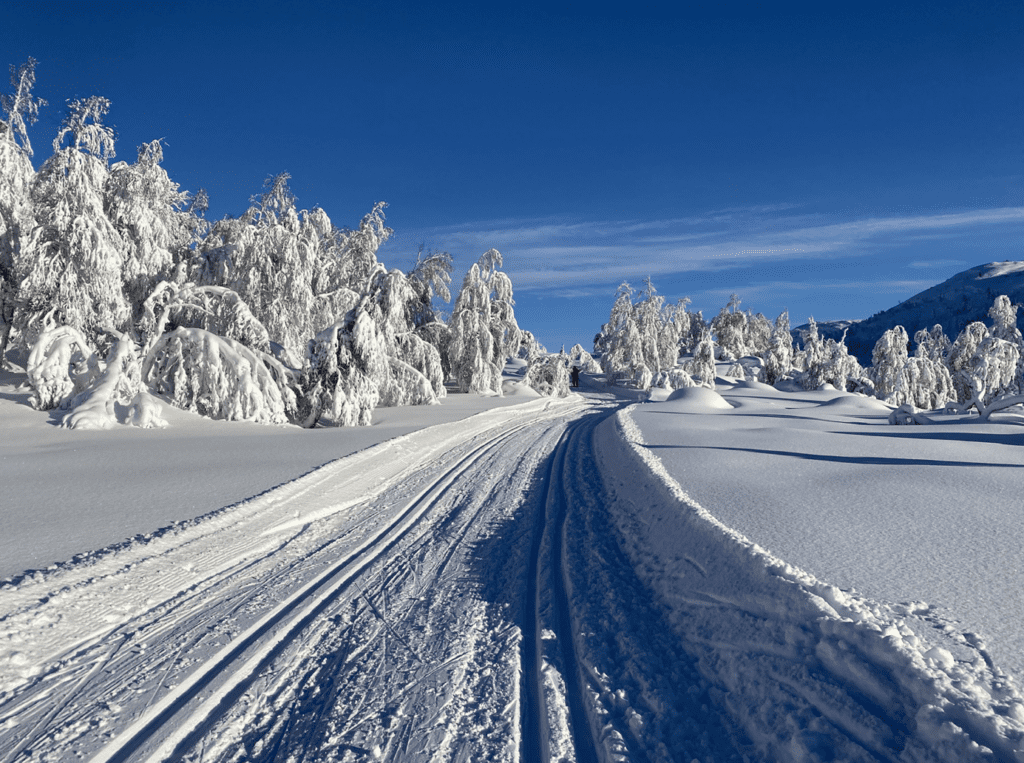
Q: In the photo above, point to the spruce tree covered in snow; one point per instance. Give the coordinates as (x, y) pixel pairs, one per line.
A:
(74, 258)
(483, 328)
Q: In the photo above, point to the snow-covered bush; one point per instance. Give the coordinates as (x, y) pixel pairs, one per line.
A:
(548, 375)
(218, 377)
(831, 363)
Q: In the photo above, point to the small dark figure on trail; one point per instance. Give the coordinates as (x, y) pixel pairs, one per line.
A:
(575, 373)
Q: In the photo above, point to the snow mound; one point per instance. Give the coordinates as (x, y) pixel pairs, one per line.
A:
(996, 269)
(697, 400)
(856, 404)
(754, 385)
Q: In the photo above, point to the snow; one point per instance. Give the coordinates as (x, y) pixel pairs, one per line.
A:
(996, 269)
(744, 573)
(67, 492)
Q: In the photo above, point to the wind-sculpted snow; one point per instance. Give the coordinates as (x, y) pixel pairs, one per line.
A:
(809, 671)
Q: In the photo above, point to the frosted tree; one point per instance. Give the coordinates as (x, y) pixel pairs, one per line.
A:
(623, 357)
(778, 358)
(154, 220)
(20, 106)
(834, 365)
(346, 364)
(431, 278)
(932, 344)
(583, 360)
(74, 258)
(218, 377)
(1004, 326)
(483, 327)
(758, 335)
(118, 382)
(984, 370)
(679, 315)
(729, 328)
(216, 309)
(16, 174)
(61, 365)
(548, 375)
(703, 365)
(813, 347)
(658, 340)
(887, 361)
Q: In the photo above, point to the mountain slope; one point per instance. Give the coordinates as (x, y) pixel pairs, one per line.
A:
(954, 303)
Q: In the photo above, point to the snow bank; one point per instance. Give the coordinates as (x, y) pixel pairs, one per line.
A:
(809, 671)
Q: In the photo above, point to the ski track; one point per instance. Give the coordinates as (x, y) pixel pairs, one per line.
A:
(510, 587)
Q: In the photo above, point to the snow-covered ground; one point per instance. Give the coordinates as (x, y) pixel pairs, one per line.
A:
(742, 575)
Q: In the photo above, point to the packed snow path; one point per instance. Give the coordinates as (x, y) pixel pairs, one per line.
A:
(475, 591)
(405, 603)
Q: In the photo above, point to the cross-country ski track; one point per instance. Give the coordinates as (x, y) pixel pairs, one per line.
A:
(494, 589)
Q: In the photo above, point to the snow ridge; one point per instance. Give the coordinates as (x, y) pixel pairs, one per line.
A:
(802, 666)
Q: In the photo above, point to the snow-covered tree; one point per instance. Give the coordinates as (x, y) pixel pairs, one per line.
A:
(583, 360)
(61, 364)
(932, 344)
(152, 216)
(549, 375)
(703, 365)
(887, 361)
(74, 258)
(347, 363)
(730, 329)
(118, 382)
(623, 356)
(834, 365)
(483, 327)
(216, 309)
(778, 358)
(430, 278)
(984, 369)
(218, 377)
(21, 106)
(16, 173)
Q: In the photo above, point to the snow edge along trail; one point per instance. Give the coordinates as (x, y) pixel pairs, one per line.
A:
(807, 670)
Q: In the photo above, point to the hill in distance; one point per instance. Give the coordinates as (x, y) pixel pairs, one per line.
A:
(962, 299)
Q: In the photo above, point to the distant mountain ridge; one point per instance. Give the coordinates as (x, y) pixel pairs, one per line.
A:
(962, 299)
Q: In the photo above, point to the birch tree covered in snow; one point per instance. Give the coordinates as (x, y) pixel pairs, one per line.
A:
(73, 262)
(483, 328)
(16, 174)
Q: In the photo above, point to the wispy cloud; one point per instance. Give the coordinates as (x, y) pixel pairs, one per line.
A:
(574, 257)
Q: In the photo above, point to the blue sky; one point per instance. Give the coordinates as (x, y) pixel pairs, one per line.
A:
(829, 158)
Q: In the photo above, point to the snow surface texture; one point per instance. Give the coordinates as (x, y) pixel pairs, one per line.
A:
(906, 516)
(529, 583)
(66, 492)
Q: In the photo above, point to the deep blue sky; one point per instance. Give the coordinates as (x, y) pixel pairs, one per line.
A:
(829, 158)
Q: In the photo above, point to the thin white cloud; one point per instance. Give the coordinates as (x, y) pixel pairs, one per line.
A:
(575, 257)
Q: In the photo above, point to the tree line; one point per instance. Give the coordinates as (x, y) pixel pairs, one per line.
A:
(647, 342)
(116, 286)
